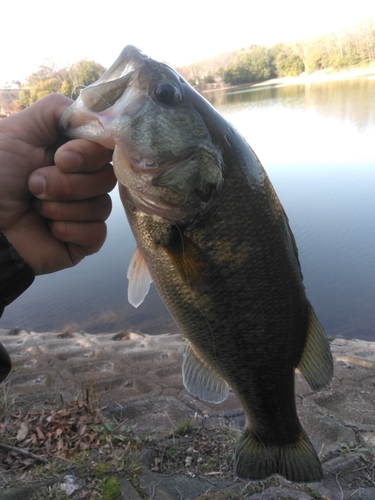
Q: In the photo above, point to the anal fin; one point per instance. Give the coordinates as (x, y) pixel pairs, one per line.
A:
(200, 379)
(316, 362)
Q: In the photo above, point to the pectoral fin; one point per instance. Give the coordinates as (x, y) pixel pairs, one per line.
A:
(190, 261)
(200, 379)
(139, 279)
(316, 363)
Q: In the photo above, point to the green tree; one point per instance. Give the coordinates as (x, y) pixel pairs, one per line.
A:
(49, 79)
(209, 79)
(84, 73)
(288, 64)
(254, 65)
(43, 88)
(261, 65)
(66, 88)
(24, 97)
(236, 75)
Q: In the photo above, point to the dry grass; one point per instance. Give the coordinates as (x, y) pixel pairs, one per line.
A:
(66, 449)
(68, 442)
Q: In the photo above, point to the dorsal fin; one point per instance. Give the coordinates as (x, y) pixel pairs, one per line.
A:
(139, 279)
(200, 379)
(316, 362)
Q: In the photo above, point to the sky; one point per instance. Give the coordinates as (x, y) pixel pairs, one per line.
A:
(35, 31)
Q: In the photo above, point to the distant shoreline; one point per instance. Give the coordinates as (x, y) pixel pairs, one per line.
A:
(318, 76)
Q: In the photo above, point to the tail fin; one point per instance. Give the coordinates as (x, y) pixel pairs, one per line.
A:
(296, 462)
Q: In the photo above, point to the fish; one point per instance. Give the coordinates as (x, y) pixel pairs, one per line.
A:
(214, 238)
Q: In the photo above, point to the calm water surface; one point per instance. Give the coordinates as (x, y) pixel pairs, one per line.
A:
(316, 142)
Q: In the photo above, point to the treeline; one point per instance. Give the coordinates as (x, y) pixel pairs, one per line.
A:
(68, 81)
(351, 47)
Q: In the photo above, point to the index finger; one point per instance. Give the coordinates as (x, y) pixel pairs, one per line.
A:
(81, 155)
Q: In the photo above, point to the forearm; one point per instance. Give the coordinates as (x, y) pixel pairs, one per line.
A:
(15, 275)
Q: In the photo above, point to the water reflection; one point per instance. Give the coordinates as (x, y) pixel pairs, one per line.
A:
(348, 101)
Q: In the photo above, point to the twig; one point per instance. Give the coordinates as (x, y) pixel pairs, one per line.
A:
(24, 452)
(181, 495)
(246, 486)
(152, 495)
(339, 485)
(120, 424)
(356, 491)
(213, 484)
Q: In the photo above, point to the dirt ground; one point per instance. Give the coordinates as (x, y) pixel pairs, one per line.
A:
(106, 417)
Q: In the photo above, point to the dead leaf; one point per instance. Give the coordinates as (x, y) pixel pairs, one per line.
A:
(23, 432)
(60, 444)
(81, 430)
(40, 433)
(27, 461)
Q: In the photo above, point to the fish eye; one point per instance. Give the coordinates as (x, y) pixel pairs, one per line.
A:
(167, 93)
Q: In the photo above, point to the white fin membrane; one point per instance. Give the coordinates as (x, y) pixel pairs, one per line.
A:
(139, 279)
(200, 379)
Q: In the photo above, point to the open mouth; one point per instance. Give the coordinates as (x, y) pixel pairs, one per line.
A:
(103, 93)
(127, 62)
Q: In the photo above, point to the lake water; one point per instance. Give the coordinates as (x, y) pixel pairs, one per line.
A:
(317, 143)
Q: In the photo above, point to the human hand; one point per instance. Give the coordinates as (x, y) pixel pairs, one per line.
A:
(53, 201)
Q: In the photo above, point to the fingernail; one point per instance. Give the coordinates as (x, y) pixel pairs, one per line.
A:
(37, 184)
(69, 160)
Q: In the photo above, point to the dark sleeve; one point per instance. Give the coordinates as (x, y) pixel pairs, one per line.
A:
(15, 277)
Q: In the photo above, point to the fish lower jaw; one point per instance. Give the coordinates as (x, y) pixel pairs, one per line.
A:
(83, 124)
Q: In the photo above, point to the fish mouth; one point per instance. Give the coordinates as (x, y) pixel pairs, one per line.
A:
(95, 101)
(103, 93)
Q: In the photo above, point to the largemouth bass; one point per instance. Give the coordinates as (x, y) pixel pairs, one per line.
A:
(214, 238)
